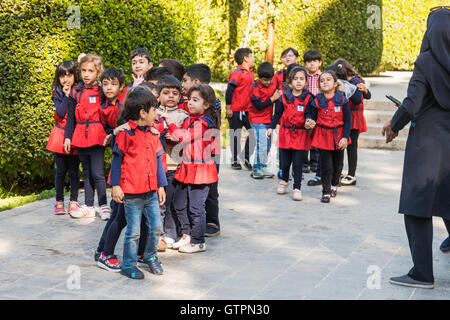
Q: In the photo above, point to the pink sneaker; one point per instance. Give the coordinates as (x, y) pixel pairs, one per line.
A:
(59, 208)
(73, 206)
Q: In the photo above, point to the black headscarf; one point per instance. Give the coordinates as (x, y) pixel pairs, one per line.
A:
(434, 57)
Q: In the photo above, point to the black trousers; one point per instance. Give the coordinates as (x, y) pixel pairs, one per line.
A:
(113, 228)
(64, 164)
(332, 162)
(212, 203)
(311, 157)
(92, 159)
(352, 152)
(296, 158)
(236, 122)
(168, 215)
(420, 238)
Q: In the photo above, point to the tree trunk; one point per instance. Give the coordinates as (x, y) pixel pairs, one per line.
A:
(271, 40)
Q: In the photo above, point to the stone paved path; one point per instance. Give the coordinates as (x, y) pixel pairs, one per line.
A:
(270, 247)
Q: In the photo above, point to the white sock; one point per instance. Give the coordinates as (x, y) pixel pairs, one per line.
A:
(334, 188)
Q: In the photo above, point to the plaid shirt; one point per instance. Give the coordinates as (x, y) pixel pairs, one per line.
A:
(313, 83)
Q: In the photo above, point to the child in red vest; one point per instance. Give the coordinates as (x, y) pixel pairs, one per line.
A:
(288, 56)
(291, 111)
(237, 98)
(138, 180)
(356, 103)
(66, 76)
(141, 62)
(331, 121)
(263, 95)
(89, 136)
(197, 169)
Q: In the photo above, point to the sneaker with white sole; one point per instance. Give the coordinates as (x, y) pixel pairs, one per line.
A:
(267, 173)
(184, 240)
(297, 195)
(193, 248)
(109, 263)
(83, 212)
(348, 181)
(282, 186)
(105, 212)
(169, 242)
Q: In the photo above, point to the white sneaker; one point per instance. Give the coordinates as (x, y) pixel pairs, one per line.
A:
(184, 240)
(105, 212)
(83, 212)
(282, 186)
(193, 248)
(297, 195)
(170, 242)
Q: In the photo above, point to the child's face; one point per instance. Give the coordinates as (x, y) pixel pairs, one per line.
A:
(169, 97)
(188, 82)
(67, 80)
(147, 118)
(289, 58)
(298, 82)
(265, 81)
(250, 60)
(196, 103)
(89, 73)
(140, 65)
(111, 88)
(327, 83)
(313, 66)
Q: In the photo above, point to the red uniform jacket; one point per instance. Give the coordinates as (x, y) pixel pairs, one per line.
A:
(278, 78)
(295, 109)
(183, 104)
(89, 130)
(261, 108)
(196, 135)
(333, 121)
(139, 148)
(109, 113)
(356, 103)
(242, 79)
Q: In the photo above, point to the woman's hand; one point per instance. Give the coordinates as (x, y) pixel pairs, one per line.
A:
(67, 145)
(343, 143)
(117, 194)
(387, 130)
(269, 133)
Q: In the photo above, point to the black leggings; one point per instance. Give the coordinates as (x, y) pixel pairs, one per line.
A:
(212, 203)
(296, 157)
(352, 152)
(332, 162)
(64, 164)
(112, 230)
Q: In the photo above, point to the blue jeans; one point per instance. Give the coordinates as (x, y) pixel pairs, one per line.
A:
(262, 145)
(136, 206)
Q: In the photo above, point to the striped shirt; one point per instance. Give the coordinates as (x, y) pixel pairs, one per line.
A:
(313, 82)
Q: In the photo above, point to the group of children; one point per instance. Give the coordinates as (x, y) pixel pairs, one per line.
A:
(163, 129)
(319, 114)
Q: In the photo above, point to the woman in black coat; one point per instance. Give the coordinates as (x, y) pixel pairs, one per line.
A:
(426, 174)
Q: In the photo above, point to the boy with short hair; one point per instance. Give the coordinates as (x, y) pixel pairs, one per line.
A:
(313, 61)
(175, 67)
(141, 62)
(263, 94)
(288, 56)
(155, 74)
(195, 74)
(237, 99)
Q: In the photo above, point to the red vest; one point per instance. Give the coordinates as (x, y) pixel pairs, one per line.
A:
(257, 90)
(55, 141)
(242, 79)
(109, 113)
(357, 111)
(139, 170)
(292, 133)
(278, 78)
(183, 103)
(195, 135)
(88, 128)
(330, 122)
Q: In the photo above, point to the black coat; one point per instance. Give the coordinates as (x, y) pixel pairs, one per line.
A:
(426, 174)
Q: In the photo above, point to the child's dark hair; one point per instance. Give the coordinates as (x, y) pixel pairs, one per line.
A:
(240, 54)
(149, 85)
(137, 98)
(113, 73)
(288, 70)
(286, 51)
(312, 55)
(169, 82)
(175, 67)
(348, 68)
(265, 70)
(199, 71)
(209, 96)
(155, 74)
(141, 52)
(340, 73)
(293, 71)
(61, 70)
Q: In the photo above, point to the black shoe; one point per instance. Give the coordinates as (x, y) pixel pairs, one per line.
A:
(248, 165)
(212, 230)
(132, 273)
(333, 193)
(97, 255)
(445, 245)
(314, 182)
(236, 166)
(306, 168)
(407, 281)
(154, 266)
(325, 198)
(313, 167)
